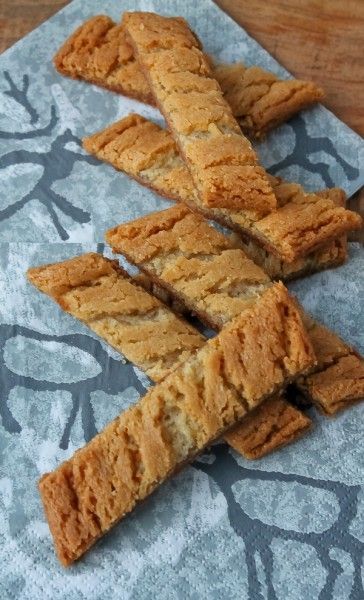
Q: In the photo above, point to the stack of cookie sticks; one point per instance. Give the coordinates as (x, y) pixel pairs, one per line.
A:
(283, 243)
(100, 53)
(254, 357)
(233, 385)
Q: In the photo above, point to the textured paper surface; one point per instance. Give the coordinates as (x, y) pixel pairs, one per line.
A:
(287, 527)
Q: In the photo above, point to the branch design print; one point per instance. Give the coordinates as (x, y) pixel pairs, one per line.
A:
(57, 163)
(120, 377)
(314, 144)
(258, 536)
(19, 94)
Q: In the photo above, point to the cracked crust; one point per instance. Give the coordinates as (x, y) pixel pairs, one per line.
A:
(182, 252)
(98, 292)
(221, 160)
(330, 255)
(158, 346)
(230, 375)
(338, 386)
(98, 52)
(339, 380)
(273, 424)
(304, 221)
(260, 100)
(302, 224)
(337, 383)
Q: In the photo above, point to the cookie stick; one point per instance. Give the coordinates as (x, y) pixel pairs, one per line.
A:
(336, 387)
(273, 424)
(252, 358)
(198, 266)
(98, 292)
(98, 52)
(103, 296)
(221, 160)
(259, 100)
(178, 249)
(339, 378)
(301, 223)
(332, 254)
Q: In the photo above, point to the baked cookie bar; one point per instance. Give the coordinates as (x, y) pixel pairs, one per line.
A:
(179, 250)
(332, 254)
(98, 292)
(222, 162)
(303, 223)
(98, 52)
(339, 381)
(252, 358)
(199, 267)
(103, 296)
(260, 100)
(336, 387)
(273, 424)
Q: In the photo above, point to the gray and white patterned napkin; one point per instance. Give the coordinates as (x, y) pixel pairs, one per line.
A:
(286, 527)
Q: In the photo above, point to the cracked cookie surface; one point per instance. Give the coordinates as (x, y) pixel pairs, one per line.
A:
(221, 160)
(302, 224)
(98, 52)
(168, 245)
(252, 358)
(139, 327)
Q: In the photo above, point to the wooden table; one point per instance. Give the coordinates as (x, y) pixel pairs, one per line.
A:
(320, 40)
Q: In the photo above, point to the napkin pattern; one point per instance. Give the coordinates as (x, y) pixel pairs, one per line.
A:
(286, 527)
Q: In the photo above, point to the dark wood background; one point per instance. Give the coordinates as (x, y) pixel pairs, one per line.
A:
(320, 40)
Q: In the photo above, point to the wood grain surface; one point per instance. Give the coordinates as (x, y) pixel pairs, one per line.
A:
(320, 40)
(18, 17)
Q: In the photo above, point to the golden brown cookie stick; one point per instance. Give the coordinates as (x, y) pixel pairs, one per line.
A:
(98, 292)
(339, 381)
(273, 424)
(178, 249)
(98, 52)
(336, 387)
(199, 267)
(332, 254)
(260, 100)
(303, 223)
(251, 359)
(104, 297)
(221, 160)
